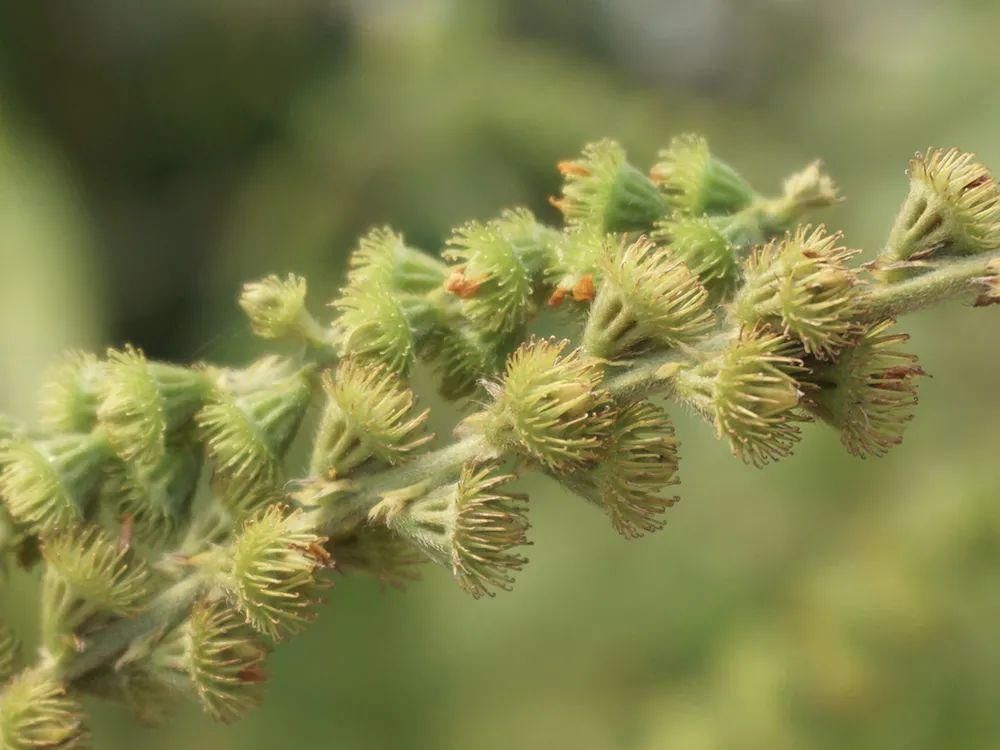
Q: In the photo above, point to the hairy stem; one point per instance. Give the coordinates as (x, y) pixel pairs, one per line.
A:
(949, 280)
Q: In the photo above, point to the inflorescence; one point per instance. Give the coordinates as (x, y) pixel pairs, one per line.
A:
(179, 543)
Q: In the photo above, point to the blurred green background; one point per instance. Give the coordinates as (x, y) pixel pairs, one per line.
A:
(155, 155)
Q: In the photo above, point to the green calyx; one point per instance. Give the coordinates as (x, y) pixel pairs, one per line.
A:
(37, 712)
(71, 395)
(369, 415)
(869, 393)
(648, 297)
(550, 406)
(751, 393)
(803, 286)
(469, 527)
(49, 484)
(383, 257)
(144, 404)
(952, 209)
(603, 191)
(693, 181)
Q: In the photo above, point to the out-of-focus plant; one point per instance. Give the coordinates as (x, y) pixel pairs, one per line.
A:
(687, 285)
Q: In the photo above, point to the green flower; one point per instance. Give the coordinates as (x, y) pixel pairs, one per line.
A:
(369, 414)
(953, 208)
(383, 257)
(695, 182)
(803, 286)
(276, 307)
(639, 463)
(36, 712)
(869, 392)
(469, 527)
(648, 296)
(704, 248)
(603, 191)
(70, 396)
(550, 406)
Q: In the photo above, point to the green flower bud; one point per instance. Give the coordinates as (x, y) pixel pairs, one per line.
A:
(953, 208)
(251, 419)
(648, 297)
(221, 656)
(550, 406)
(49, 484)
(695, 182)
(463, 357)
(36, 712)
(577, 264)
(157, 497)
(144, 404)
(704, 248)
(382, 257)
(381, 553)
(803, 286)
(270, 571)
(369, 414)
(69, 398)
(869, 392)
(502, 263)
(602, 190)
(88, 579)
(750, 392)
(378, 324)
(468, 527)
(639, 463)
(276, 307)
(10, 651)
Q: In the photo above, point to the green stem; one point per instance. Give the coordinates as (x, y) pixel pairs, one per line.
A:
(950, 280)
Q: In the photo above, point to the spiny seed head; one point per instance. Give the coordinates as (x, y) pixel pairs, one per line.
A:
(276, 306)
(550, 406)
(500, 267)
(270, 571)
(383, 257)
(250, 421)
(869, 392)
(144, 403)
(48, 484)
(577, 264)
(953, 208)
(36, 712)
(469, 527)
(156, 497)
(648, 296)
(603, 191)
(69, 397)
(86, 566)
(222, 657)
(369, 414)
(803, 286)
(702, 247)
(751, 393)
(695, 182)
(375, 324)
(639, 463)
(10, 651)
(381, 553)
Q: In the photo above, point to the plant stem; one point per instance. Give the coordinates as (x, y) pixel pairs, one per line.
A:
(955, 279)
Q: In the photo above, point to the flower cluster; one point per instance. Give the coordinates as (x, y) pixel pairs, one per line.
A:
(181, 538)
